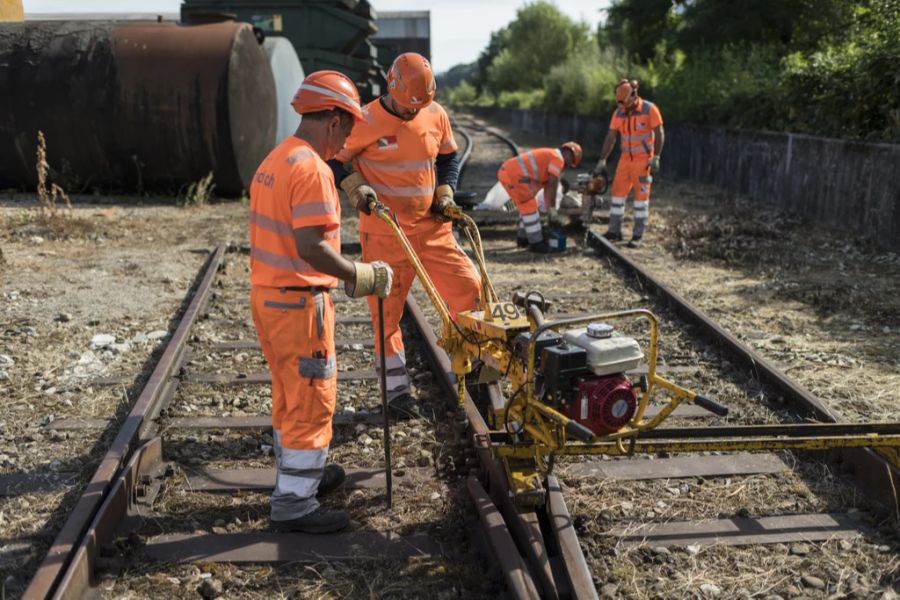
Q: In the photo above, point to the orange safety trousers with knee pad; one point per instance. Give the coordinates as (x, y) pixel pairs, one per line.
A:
(296, 333)
(452, 272)
(632, 175)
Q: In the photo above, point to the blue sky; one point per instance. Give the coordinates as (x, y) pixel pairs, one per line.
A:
(460, 29)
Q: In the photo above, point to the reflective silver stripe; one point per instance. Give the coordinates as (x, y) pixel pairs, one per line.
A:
(403, 166)
(645, 179)
(280, 261)
(331, 93)
(313, 209)
(522, 166)
(448, 145)
(395, 360)
(270, 224)
(640, 204)
(297, 476)
(530, 218)
(397, 381)
(554, 169)
(411, 191)
(298, 155)
(617, 206)
(396, 377)
(637, 136)
(534, 166)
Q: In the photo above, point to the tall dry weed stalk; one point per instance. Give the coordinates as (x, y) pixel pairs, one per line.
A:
(49, 207)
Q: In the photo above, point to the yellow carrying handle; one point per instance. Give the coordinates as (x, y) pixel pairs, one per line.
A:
(383, 213)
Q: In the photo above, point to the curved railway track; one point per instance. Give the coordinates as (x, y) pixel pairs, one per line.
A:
(129, 515)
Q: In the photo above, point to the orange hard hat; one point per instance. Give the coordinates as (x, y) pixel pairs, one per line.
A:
(410, 81)
(626, 92)
(575, 148)
(326, 90)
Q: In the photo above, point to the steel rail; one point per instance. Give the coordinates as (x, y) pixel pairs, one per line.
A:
(525, 528)
(871, 471)
(58, 560)
(465, 155)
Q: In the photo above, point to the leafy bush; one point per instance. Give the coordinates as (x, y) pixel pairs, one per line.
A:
(585, 83)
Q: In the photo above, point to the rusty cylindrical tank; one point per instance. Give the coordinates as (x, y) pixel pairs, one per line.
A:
(135, 105)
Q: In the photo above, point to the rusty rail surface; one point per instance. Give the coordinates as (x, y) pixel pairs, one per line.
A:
(154, 394)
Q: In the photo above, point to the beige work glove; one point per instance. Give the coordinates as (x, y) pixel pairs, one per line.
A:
(654, 164)
(371, 278)
(443, 206)
(359, 192)
(600, 168)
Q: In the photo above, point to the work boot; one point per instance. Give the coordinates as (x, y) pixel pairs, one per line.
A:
(318, 521)
(613, 236)
(521, 241)
(635, 242)
(403, 407)
(332, 478)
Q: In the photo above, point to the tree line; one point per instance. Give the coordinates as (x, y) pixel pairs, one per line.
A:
(824, 67)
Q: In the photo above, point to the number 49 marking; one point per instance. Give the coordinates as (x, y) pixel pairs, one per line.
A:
(505, 311)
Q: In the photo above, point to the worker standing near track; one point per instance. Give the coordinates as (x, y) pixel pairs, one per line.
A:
(404, 155)
(639, 124)
(525, 175)
(295, 262)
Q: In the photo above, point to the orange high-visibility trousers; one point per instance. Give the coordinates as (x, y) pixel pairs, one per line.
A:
(296, 333)
(521, 193)
(630, 175)
(450, 269)
(297, 339)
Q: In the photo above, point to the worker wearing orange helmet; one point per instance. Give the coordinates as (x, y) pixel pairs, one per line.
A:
(525, 175)
(404, 155)
(295, 262)
(639, 124)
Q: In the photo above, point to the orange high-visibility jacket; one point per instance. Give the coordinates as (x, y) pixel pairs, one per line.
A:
(292, 188)
(636, 130)
(396, 158)
(533, 168)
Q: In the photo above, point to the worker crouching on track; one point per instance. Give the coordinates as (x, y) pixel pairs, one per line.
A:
(295, 262)
(639, 124)
(525, 175)
(404, 155)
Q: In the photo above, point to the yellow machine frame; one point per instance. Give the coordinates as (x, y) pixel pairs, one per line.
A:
(529, 433)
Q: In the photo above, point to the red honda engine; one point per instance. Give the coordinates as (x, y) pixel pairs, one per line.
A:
(603, 404)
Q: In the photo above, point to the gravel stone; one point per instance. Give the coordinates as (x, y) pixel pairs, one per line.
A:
(812, 581)
(102, 340)
(710, 590)
(799, 549)
(210, 588)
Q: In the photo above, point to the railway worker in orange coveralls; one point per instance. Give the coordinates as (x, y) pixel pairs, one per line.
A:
(523, 176)
(404, 155)
(640, 126)
(295, 261)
